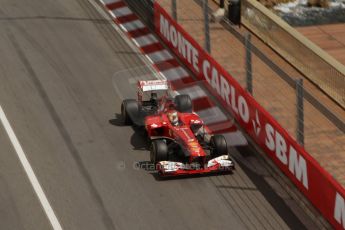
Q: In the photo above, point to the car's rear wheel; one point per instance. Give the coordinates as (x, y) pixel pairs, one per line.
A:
(159, 151)
(129, 107)
(219, 145)
(184, 103)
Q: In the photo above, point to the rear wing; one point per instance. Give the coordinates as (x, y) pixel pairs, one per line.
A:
(152, 85)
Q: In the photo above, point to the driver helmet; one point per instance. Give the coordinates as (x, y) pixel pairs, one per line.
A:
(173, 118)
(197, 127)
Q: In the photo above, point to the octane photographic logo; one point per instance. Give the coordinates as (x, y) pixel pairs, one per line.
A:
(145, 165)
(137, 165)
(121, 165)
(170, 166)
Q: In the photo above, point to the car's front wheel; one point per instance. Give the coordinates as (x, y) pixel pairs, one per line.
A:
(219, 145)
(159, 151)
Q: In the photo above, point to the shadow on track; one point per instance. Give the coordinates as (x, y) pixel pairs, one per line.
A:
(188, 177)
(117, 121)
(266, 189)
(139, 140)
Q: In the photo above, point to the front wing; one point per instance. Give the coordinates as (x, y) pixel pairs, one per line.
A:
(218, 164)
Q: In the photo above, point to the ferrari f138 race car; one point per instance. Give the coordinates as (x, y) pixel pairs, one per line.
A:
(180, 142)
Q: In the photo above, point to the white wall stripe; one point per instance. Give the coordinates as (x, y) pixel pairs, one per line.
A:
(133, 25)
(194, 92)
(145, 40)
(212, 115)
(30, 172)
(123, 11)
(175, 73)
(160, 56)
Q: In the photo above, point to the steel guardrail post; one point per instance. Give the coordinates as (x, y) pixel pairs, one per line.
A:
(299, 111)
(206, 26)
(249, 76)
(174, 9)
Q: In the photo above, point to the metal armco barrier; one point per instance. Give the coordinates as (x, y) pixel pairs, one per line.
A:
(324, 192)
(174, 9)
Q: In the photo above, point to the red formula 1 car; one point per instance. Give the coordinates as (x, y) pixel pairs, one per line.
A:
(180, 143)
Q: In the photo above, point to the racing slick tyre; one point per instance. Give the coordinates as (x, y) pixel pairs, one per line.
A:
(129, 106)
(159, 151)
(184, 103)
(219, 145)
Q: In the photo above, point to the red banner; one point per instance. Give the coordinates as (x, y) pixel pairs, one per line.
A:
(311, 179)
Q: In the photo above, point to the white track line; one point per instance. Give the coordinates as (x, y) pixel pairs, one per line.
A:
(30, 173)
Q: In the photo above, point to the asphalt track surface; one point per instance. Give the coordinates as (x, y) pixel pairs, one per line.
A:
(57, 68)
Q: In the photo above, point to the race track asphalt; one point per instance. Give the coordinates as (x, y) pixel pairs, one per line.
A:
(58, 68)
